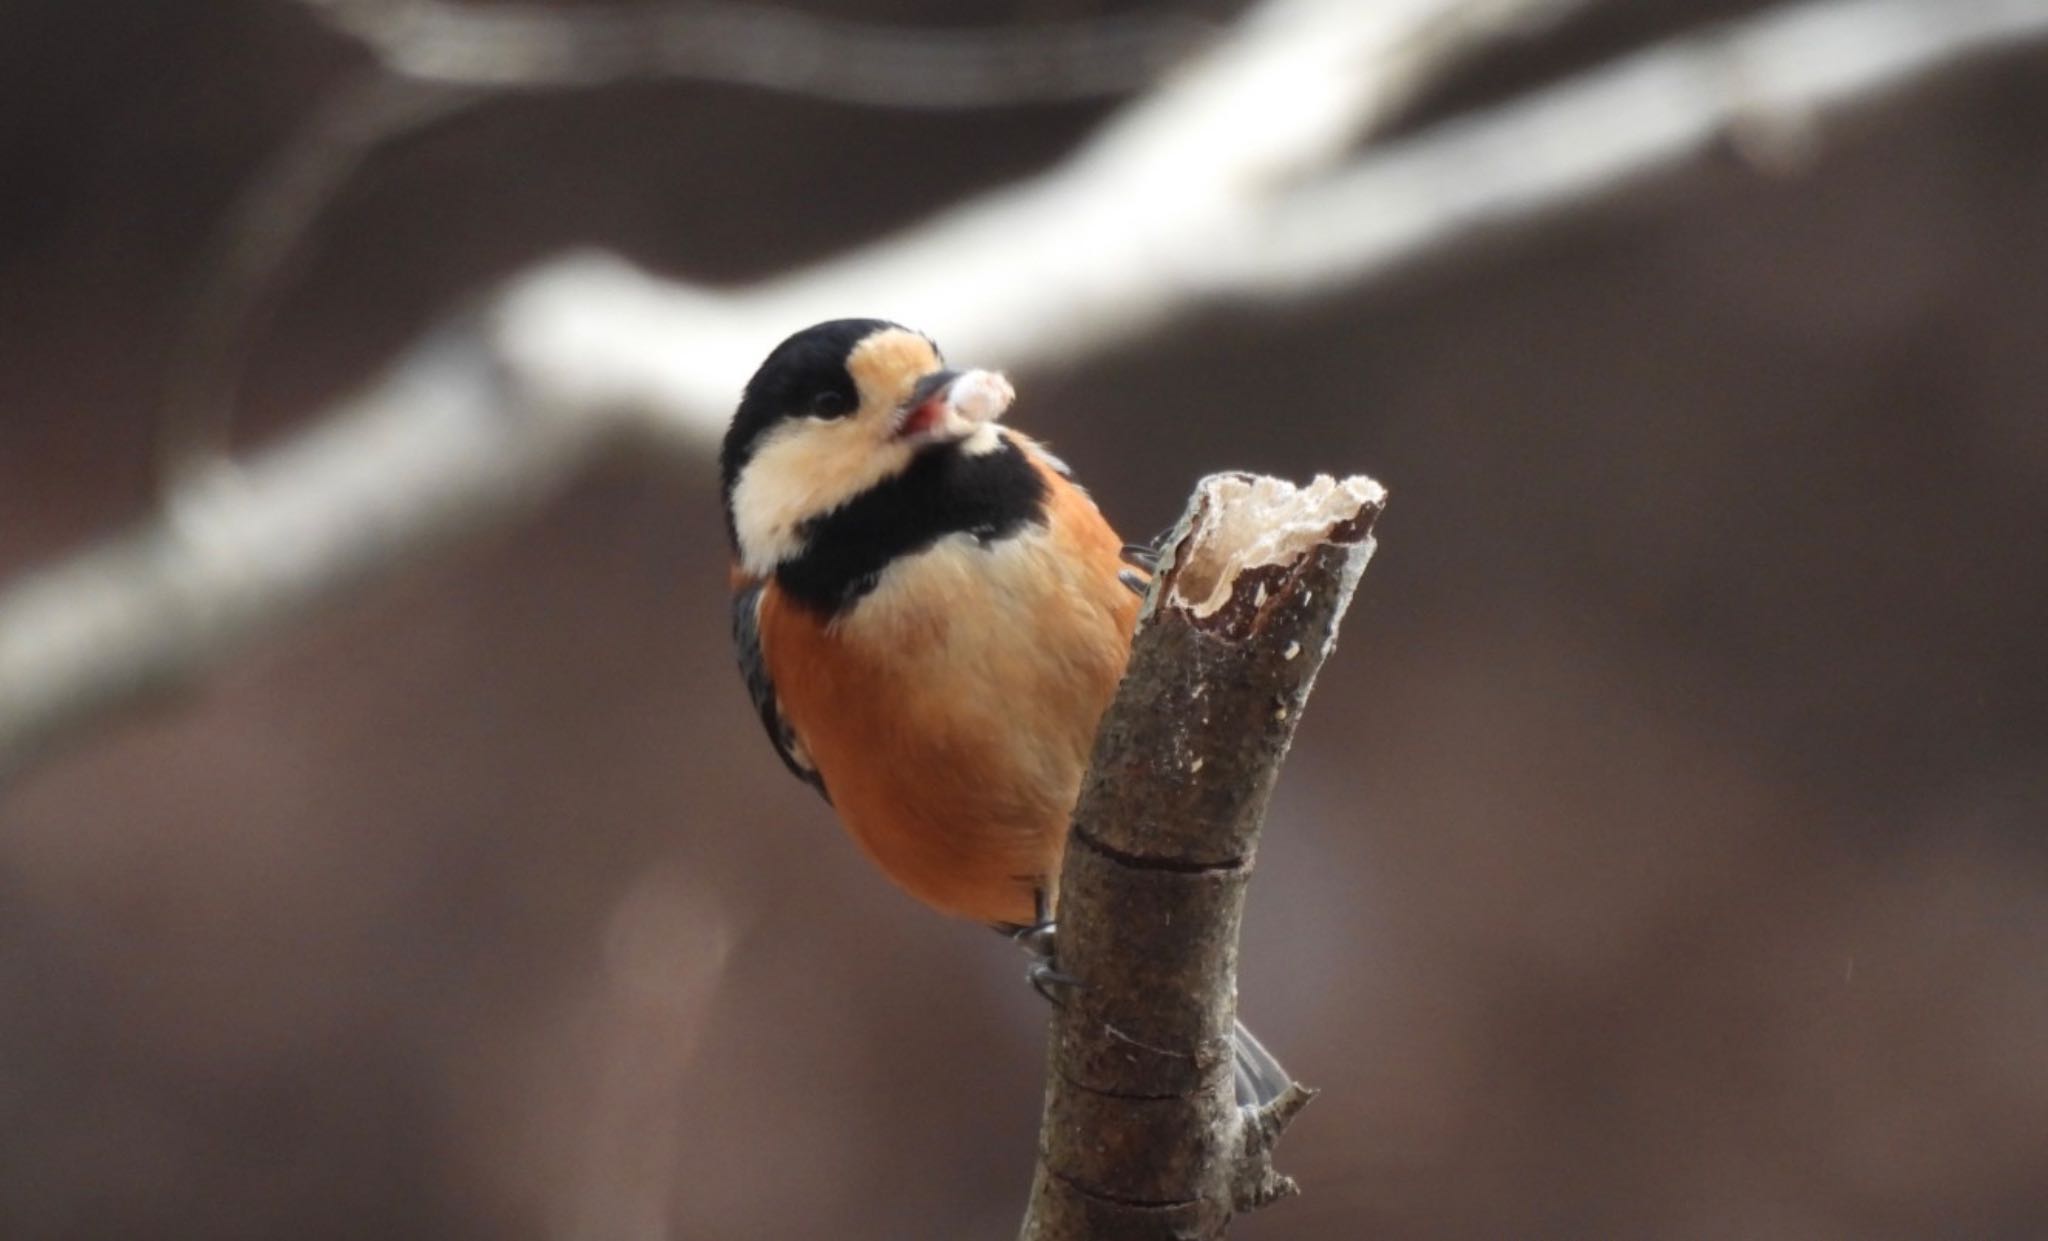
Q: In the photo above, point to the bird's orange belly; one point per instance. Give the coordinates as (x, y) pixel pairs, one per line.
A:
(951, 719)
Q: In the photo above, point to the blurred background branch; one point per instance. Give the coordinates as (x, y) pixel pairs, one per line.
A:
(1218, 184)
(430, 60)
(1099, 249)
(526, 46)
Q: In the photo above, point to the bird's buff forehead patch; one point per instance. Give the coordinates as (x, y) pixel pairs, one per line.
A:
(886, 365)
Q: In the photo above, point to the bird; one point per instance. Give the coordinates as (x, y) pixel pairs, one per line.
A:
(930, 617)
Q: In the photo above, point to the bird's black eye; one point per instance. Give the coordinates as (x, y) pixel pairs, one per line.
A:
(831, 403)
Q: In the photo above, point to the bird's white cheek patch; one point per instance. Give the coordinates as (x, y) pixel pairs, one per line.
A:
(800, 472)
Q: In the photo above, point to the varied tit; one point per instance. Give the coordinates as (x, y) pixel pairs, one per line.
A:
(930, 615)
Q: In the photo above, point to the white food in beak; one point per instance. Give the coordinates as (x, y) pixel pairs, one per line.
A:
(964, 408)
(980, 396)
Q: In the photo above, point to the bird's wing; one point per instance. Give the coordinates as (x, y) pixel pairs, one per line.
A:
(746, 642)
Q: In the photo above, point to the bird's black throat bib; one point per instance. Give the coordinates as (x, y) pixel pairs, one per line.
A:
(944, 491)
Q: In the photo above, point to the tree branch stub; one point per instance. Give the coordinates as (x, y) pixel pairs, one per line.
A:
(1141, 1135)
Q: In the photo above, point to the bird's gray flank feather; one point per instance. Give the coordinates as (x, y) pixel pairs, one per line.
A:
(746, 642)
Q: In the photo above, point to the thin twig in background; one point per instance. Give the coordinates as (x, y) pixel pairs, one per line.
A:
(1171, 205)
(518, 45)
(262, 235)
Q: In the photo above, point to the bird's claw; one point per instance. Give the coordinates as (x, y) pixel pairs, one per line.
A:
(1050, 982)
(1147, 555)
(1039, 940)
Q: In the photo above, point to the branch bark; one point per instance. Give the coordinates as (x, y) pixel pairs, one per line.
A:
(1141, 1137)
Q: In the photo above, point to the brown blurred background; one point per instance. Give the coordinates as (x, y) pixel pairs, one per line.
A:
(1662, 857)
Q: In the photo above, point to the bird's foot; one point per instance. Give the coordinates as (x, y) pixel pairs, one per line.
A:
(1144, 560)
(1147, 555)
(1040, 941)
(1050, 983)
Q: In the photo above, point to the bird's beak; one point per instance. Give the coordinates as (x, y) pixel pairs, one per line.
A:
(948, 406)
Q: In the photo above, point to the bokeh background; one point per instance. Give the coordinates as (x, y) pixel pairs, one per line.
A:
(1663, 854)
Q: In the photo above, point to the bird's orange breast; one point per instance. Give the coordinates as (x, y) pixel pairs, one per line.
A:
(952, 711)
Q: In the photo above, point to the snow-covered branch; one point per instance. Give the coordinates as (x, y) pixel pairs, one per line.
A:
(1240, 175)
